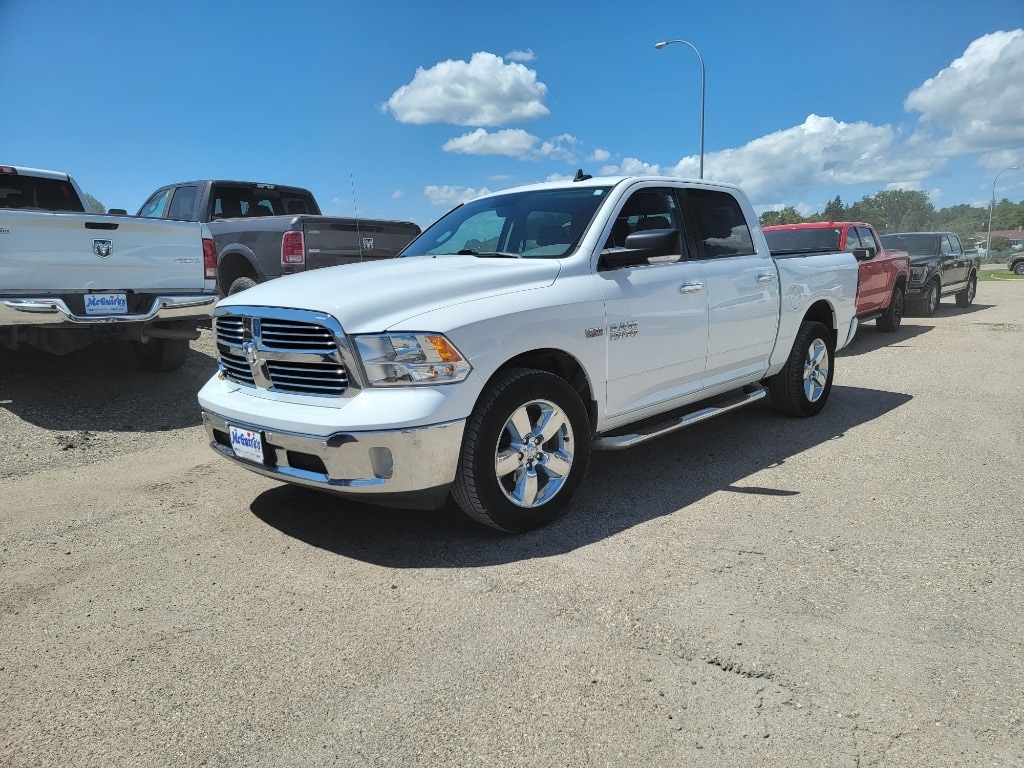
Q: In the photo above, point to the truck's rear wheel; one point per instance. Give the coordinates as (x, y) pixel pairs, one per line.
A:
(802, 387)
(890, 321)
(525, 452)
(240, 284)
(161, 355)
(966, 297)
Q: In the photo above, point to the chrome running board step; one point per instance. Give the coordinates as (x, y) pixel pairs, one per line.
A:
(750, 395)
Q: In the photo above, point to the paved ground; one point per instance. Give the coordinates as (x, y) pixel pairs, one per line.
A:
(754, 591)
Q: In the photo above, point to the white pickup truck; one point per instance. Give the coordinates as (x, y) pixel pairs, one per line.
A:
(69, 278)
(516, 334)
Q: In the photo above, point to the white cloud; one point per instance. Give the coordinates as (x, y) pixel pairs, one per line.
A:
(447, 195)
(484, 91)
(821, 151)
(397, 194)
(979, 98)
(511, 142)
(599, 156)
(526, 55)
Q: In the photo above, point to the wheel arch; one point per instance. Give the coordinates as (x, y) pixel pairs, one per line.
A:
(559, 363)
(823, 312)
(234, 263)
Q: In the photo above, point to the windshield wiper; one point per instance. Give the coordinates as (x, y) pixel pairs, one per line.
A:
(489, 254)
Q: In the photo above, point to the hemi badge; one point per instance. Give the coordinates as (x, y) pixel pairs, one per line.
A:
(593, 333)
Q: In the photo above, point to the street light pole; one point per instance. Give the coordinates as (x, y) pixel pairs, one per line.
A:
(701, 59)
(991, 205)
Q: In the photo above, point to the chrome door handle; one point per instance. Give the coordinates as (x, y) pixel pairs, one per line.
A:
(691, 287)
(765, 277)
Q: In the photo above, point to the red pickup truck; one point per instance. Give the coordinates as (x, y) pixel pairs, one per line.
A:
(883, 275)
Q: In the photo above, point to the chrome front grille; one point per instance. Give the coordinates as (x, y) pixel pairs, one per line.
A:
(277, 350)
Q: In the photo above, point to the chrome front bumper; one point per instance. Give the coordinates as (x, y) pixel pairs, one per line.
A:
(411, 467)
(40, 311)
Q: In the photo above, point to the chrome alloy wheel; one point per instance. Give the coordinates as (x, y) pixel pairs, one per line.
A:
(534, 453)
(972, 290)
(815, 370)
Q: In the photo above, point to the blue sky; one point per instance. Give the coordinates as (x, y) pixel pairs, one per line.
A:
(417, 105)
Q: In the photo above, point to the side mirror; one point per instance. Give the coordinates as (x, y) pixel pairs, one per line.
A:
(117, 211)
(863, 254)
(642, 246)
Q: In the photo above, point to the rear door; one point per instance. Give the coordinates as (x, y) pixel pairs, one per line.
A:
(954, 263)
(873, 280)
(332, 241)
(74, 252)
(742, 288)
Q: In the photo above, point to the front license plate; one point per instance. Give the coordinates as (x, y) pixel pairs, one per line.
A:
(106, 304)
(246, 444)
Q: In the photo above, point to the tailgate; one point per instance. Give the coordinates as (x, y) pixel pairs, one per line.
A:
(69, 252)
(330, 242)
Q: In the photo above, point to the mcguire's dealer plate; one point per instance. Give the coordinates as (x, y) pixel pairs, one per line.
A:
(246, 444)
(106, 304)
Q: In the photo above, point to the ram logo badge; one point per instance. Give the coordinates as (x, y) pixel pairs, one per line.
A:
(102, 248)
(367, 243)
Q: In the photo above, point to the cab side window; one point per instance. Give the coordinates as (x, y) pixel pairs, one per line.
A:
(852, 240)
(156, 206)
(650, 208)
(948, 246)
(722, 228)
(183, 204)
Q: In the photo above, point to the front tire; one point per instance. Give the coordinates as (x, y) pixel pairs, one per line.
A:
(1018, 268)
(525, 451)
(802, 387)
(966, 297)
(890, 321)
(161, 355)
(931, 301)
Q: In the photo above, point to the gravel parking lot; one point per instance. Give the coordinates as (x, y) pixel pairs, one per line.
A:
(753, 591)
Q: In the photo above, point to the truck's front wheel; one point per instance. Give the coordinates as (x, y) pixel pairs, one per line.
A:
(161, 355)
(525, 452)
(802, 387)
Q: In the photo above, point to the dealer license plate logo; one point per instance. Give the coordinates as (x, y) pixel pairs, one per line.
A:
(246, 444)
(106, 304)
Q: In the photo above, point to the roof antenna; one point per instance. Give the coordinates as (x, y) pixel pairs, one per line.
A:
(355, 211)
(581, 176)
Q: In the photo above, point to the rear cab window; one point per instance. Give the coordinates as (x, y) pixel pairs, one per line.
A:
(38, 193)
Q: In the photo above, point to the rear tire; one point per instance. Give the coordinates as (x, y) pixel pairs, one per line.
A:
(1018, 268)
(240, 284)
(890, 321)
(524, 453)
(161, 355)
(802, 387)
(966, 297)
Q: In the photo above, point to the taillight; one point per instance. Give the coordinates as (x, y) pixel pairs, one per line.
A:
(8, 169)
(210, 258)
(293, 249)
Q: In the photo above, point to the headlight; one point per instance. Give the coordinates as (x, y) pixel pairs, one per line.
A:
(402, 359)
(917, 274)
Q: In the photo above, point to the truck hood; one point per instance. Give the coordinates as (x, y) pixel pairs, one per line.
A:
(374, 296)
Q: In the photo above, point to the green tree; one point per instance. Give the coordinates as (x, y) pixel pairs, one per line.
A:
(1000, 244)
(1007, 215)
(96, 205)
(894, 210)
(788, 215)
(834, 210)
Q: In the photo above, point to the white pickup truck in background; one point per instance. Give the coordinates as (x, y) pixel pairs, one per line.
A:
(70, 278)
(516, 334)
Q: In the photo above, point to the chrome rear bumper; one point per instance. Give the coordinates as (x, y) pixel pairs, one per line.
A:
(47, 311)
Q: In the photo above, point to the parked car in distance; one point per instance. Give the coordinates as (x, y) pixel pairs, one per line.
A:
(263, 231)
(883, 274)
(1016, 263)
(70, 277)
(939, 266)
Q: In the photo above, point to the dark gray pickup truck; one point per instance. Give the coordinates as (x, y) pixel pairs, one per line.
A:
(263, 231)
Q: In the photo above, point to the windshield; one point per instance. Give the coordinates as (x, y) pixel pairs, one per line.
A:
(915, 245)
(535, 224)
(821, 239)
